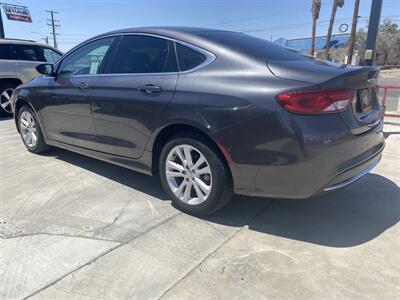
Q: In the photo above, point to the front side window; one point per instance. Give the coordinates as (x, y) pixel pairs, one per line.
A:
(144, 54)
(86, 60)
(188, 58)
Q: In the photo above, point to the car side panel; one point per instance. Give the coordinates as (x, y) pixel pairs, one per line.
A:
(26, 70)
(125, 116)
(7, 68)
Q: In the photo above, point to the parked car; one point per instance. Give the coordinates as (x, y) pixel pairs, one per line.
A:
(18, 61)
(211, 112)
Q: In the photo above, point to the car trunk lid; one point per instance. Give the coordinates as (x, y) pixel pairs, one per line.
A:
(364, 112)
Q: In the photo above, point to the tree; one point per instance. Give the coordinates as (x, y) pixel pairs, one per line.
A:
(387, 45)
(336, 3)
(316, 6)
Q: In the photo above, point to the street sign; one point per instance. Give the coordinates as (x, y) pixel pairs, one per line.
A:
(17, 13)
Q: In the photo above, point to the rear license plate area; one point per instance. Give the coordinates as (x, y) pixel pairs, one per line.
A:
(365, 102)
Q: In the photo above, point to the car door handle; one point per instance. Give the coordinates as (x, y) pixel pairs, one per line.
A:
(82, 85)
(149, 89)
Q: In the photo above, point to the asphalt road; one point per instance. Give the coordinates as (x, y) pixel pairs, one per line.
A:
(72, 227)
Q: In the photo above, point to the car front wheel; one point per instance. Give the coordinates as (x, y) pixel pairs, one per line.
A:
(6, 92)
(30, 131)
(194, 175)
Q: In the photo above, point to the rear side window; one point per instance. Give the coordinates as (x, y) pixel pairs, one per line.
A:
(188, 58)
(27, 52)
(255, 47)
(5, 51)
(144, 54)
(49, 54)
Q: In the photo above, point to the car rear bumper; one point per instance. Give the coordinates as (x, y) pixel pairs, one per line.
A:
(350, 176)
(297, 156)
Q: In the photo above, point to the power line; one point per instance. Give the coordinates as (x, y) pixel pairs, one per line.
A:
(297, 25)
(257, 17)
(53, 25)
(289, 26)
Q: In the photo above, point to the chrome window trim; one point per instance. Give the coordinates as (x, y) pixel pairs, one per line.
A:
(210, 57)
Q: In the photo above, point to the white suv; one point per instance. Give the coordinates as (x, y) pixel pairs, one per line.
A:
(18, 61)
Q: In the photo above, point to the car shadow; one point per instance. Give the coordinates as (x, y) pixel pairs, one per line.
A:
(346, 218)
(135, 180)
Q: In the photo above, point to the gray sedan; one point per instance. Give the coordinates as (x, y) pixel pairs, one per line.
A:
(211, 112)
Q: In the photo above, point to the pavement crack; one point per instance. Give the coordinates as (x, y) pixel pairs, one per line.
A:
(215, 250)
(58, 234)
(101, 255)
(114, 221)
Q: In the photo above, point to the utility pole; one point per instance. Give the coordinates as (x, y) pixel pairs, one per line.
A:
(353, 32)
(2, 36)
(373, 28)
(53, 26)
(46, 40)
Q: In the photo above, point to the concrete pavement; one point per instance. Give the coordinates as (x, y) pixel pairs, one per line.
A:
(72, 227)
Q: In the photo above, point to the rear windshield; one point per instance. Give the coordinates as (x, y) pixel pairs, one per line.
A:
(255, 47)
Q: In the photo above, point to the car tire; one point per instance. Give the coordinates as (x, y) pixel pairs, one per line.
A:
(6, 91)
(195, 186)
(30, 130)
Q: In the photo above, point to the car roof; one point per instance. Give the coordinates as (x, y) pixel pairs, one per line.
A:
(25, 42)
(172, 31)
(196, 36)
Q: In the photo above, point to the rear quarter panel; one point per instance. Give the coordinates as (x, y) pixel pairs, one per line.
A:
(7, 68)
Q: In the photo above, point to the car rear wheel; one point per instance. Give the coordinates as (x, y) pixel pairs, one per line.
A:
(194, 175)
(30, 131)
(6, 91)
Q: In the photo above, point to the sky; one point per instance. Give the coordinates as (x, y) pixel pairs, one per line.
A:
(269, 19)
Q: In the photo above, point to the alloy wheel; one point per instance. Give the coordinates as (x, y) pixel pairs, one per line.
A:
(28, 131)
(5, 100)
(188, 174)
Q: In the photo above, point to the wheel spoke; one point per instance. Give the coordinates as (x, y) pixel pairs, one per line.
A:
(4, 104)
(180, 155)
(199, 162)
(178, 190)
(205, 170)
(188, 155)
(174, 174)
(34, 137)
(6, 95)
(204, 187)
(198, 191)
(24, 123)
(188, 189)
(175, 166)
(29, 139)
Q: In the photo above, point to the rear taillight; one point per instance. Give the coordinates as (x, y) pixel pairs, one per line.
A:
(315, 102)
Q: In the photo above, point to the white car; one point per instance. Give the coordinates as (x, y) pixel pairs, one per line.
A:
(18, 61)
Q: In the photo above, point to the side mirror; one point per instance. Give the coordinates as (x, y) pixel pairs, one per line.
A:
(45, 69)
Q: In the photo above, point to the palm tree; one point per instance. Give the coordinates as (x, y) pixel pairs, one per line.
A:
(336, 3)
(316, 6)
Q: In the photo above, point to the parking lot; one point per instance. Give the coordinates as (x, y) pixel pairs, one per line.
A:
(72, 227)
